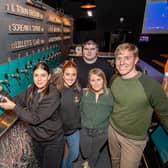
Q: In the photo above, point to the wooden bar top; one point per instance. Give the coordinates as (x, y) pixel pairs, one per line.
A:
(164, 55)
(7, 119)
(99, 54)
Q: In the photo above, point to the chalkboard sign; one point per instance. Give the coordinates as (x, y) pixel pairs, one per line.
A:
(28, 27)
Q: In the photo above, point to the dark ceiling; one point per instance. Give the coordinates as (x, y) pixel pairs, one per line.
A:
(107, 14)
(107, 19)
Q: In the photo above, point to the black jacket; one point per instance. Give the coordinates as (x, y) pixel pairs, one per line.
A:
(70, 100)
(42, 114)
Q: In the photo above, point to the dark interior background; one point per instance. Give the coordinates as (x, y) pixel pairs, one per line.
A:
(106, 23)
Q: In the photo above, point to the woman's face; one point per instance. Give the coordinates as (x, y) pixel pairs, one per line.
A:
(69, 76)
(41, 78)
(96, 83)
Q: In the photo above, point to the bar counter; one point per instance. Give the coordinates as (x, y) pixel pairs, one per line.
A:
(15, 143)
(106, 55)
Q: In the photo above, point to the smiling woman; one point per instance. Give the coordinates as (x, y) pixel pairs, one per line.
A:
(69, 76)
(67, 83)
(41, 76)
(39, 107)
(96, 106)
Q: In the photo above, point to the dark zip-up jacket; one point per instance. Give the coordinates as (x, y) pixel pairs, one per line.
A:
(70, 100)
(42, 114)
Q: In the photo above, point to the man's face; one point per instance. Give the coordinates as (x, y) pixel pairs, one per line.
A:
(89, 52)
(126, 64)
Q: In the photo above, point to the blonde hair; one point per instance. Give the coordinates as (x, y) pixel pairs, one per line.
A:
(100, 73)
(126, 46)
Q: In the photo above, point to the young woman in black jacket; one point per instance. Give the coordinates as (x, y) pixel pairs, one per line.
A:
(39, 107)
(67, 82)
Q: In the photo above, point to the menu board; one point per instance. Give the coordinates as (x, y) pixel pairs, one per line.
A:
(67, 28)
(28, 26)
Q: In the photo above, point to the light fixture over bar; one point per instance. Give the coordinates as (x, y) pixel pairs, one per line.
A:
(88, 4)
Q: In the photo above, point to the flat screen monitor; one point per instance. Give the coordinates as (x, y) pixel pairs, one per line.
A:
(155, 17)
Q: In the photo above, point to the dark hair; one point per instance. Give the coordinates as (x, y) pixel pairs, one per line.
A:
(90, 42)
(44, 66)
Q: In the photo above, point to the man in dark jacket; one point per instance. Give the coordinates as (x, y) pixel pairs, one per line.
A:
(89, 61)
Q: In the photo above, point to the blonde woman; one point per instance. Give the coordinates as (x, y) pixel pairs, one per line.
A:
(96, 106)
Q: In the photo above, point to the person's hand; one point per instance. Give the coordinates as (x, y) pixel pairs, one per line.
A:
(7, 104)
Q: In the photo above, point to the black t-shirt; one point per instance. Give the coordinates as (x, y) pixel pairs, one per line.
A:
(84, 69)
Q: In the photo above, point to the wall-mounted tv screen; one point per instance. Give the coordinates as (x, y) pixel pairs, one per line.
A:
(155, 17)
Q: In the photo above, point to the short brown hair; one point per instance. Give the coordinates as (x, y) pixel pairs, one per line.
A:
(90, 42)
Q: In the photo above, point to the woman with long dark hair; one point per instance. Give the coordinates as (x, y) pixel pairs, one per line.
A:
(39, 107)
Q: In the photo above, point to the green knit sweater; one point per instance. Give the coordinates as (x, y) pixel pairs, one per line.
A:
(95, 114)
(134, 101)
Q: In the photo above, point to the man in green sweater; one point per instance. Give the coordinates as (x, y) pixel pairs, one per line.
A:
(136, 95)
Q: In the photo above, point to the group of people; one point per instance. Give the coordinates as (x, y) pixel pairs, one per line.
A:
(86, 104)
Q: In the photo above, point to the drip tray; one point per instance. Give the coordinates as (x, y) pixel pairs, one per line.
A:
(7, 119)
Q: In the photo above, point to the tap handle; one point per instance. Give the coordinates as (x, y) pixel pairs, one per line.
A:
(17, 71)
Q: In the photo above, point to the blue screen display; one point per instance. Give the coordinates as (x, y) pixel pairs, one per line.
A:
(156, 18)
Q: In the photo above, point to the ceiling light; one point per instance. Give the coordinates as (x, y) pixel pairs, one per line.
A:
(88, 5)
(89, 13)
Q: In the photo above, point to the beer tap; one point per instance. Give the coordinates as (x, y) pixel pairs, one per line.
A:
(50, 57)
(24, 71)
(47, 59)
(29, 65)
(6, 83)
(14, 75)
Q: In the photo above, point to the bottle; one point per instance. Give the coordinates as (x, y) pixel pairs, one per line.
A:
(165, 78)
